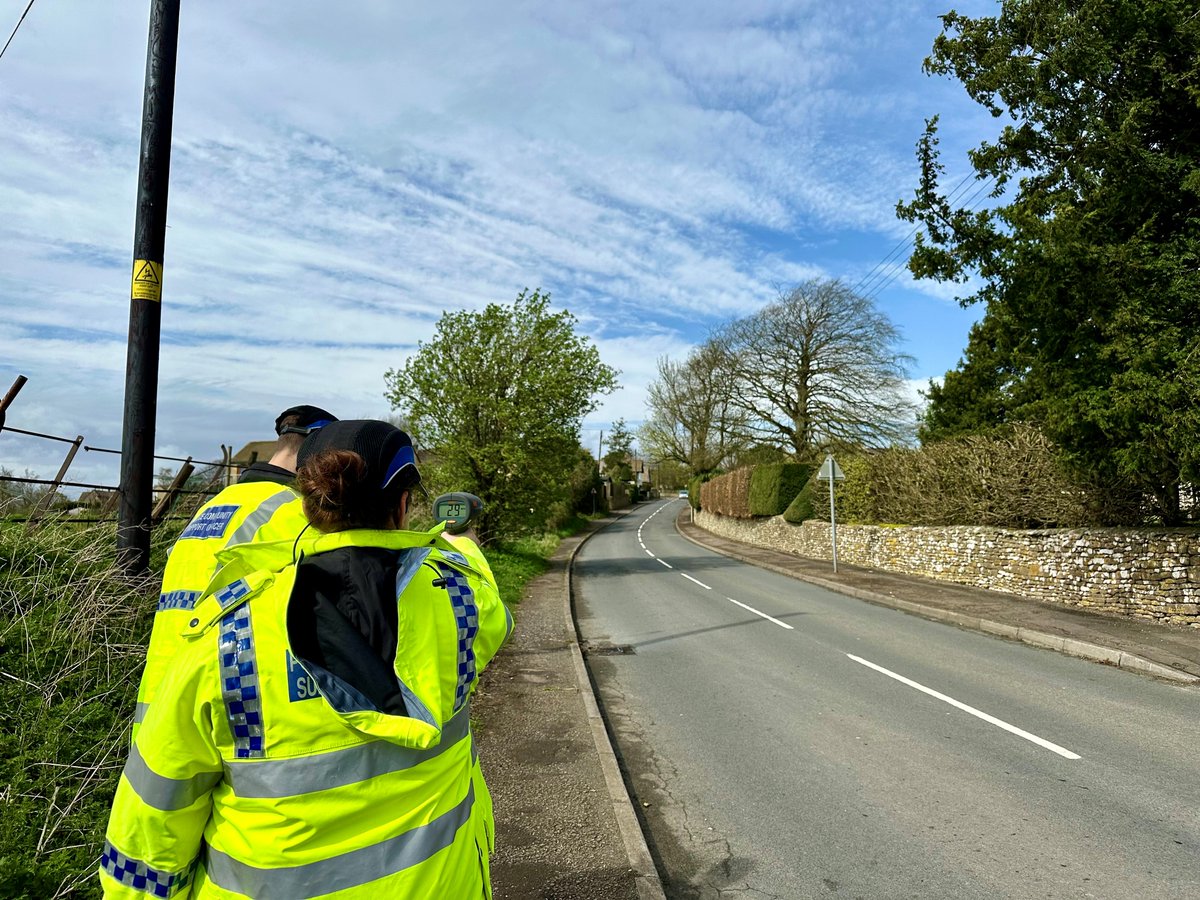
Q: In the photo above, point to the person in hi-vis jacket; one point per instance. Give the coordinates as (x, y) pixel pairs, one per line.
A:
(313, 737)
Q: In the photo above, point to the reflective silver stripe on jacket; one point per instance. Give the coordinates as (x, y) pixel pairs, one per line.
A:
(257, 519)
(162, 792)
(139, 713)
(410, 560)
(277, 778)
(347, 870)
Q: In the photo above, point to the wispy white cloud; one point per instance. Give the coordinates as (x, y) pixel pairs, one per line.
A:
(340, 177)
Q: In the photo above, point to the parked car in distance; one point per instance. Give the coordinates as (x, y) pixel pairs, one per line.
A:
(683, 493)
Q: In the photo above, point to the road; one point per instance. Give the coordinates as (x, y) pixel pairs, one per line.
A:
(783, 741)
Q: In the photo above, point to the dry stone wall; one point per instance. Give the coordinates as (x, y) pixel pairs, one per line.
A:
(1132, 572)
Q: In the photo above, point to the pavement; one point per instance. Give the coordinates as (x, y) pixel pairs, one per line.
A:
(566, 828)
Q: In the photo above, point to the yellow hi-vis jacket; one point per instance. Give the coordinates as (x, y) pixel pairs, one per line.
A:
(260, 774)
(263, 511)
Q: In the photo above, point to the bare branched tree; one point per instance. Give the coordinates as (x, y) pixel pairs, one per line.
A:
(692, 418)
(819, 367)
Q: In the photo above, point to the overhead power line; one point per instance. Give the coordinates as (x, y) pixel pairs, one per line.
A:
(886, 278)
(14, 31)
(889, 268)
(905, 241)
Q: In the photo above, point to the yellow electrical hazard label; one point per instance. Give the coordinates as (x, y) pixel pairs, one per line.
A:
(147, 280)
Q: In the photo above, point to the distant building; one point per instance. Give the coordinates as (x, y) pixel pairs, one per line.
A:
(255, 451)
(97, 499)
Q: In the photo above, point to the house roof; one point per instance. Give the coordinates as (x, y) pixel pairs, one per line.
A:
(264, 449)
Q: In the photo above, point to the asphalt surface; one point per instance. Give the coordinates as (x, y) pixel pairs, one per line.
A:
(566, 827)
(782, 757)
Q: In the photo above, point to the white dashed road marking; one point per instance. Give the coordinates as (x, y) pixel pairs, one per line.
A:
(760, 613)
(999, 723)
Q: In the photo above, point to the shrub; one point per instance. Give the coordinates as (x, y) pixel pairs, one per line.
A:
(694, 487)
(774, 486)
(728, 495)
(856, 495)
(1015, 478)
(801, 508)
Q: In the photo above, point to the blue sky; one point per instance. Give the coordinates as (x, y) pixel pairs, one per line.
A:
(343, 174)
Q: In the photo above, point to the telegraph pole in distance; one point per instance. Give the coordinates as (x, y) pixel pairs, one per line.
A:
(145, 310)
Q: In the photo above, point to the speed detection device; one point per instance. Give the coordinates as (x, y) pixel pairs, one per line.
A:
(457, 510)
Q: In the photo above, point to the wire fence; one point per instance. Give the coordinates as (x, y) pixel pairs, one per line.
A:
(31, 499)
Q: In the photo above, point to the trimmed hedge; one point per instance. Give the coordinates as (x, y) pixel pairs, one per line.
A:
(801, 509)
(773, 487)
(728, 495)
(694, 487)
(856, 496)
(1014, 478)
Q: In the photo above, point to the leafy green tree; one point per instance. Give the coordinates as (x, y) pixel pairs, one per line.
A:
(669, 474)
(587, 489)
(976, 397)
(1089, 257)
(498, 397)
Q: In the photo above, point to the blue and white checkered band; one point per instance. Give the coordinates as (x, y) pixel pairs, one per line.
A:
(239, 683)
(178, 600)
(462, 598)
(232, 593)
(136, 874)
(210, 523)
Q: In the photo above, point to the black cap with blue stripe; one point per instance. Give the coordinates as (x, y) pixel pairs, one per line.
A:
(389, 453)
(302, 420)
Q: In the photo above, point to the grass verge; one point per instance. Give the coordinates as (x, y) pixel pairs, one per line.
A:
(516, 563)
(72, 635)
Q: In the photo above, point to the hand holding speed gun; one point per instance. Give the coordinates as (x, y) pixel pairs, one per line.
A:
(457, 511)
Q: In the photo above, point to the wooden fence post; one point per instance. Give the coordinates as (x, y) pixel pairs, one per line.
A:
(11, 396)
(47, 498)
(168, 499)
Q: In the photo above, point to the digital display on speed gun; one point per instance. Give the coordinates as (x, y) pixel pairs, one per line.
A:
(456, 510)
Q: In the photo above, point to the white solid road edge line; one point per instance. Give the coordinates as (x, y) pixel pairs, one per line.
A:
(999, 723)
(690, 578)
(759, 613)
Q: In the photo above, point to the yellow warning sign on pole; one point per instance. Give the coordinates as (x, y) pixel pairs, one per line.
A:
(147, 280)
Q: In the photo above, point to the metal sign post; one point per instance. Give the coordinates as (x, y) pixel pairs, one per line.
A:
(831, 472)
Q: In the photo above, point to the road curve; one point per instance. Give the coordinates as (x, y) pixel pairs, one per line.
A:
(785, 741)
